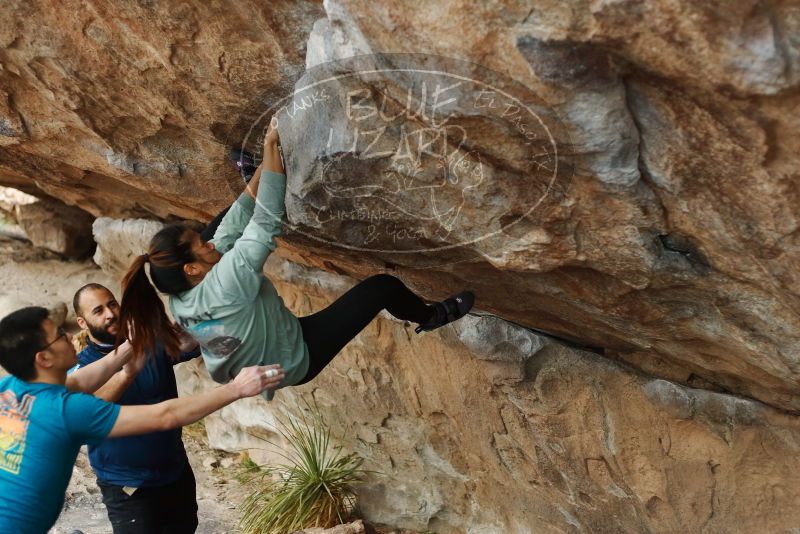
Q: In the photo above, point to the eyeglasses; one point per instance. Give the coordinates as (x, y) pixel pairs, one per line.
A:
(61, 333)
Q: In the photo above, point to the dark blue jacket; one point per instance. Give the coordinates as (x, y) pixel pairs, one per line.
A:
(150, 460)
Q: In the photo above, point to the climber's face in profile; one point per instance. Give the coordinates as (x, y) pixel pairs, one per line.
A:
(206, 256)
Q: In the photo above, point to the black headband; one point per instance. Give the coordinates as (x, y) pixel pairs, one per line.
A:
(170, 280)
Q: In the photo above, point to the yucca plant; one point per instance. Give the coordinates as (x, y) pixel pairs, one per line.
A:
(314, 489)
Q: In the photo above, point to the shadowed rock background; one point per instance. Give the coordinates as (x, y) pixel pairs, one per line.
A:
(634, 362)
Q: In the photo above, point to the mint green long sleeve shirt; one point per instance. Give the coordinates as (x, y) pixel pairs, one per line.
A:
(235, 313)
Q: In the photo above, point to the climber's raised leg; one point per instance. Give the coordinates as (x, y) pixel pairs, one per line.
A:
(328, 331)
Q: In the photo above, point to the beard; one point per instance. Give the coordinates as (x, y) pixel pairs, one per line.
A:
(101, 333)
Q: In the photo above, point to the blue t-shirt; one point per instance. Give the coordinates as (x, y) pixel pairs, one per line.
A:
(42, 428)
(149, 460)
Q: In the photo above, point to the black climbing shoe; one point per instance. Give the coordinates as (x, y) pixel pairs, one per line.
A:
(245, 163)
(448, 311)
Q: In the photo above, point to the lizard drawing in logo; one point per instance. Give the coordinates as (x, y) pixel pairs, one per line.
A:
(13, 429)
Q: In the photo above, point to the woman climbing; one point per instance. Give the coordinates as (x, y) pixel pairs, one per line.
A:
(218, 293)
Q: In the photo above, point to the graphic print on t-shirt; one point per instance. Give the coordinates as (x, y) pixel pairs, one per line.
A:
(212, 338)
(13, 429)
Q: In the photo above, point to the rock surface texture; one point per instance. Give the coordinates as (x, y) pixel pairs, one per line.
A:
(126, 107)
(50, 224)
(633, 240)
(486, 426)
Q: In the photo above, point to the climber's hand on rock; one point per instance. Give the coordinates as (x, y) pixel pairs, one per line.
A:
(272, 157)
(271, 137)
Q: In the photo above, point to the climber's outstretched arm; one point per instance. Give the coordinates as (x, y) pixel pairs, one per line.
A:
(239, 272)
(240, 213)
(252, 186)
(175, 413)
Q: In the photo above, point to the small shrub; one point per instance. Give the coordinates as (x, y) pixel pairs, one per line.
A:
(314, 489)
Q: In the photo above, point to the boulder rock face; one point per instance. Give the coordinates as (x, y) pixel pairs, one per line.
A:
(485, 426)
(58, 310)
(646, 205)
(127, 108)
(119, 241)
(617, 182)
(652, 212)
(57, 227)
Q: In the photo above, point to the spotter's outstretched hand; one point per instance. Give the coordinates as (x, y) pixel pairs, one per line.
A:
(253, 380)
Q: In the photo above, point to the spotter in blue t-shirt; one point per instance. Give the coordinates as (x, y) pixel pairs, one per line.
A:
(42, 427)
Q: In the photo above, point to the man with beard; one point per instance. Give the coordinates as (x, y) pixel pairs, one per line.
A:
(146, 481)
(44, 422)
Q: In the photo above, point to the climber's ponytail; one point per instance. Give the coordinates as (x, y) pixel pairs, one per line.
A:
(142, 317)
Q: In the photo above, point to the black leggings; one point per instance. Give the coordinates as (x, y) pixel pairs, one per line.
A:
(328, 331)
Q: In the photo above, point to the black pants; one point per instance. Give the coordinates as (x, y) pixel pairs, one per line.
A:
(169, 509)
(328, 331)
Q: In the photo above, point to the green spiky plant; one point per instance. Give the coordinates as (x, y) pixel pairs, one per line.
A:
(314, 489)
